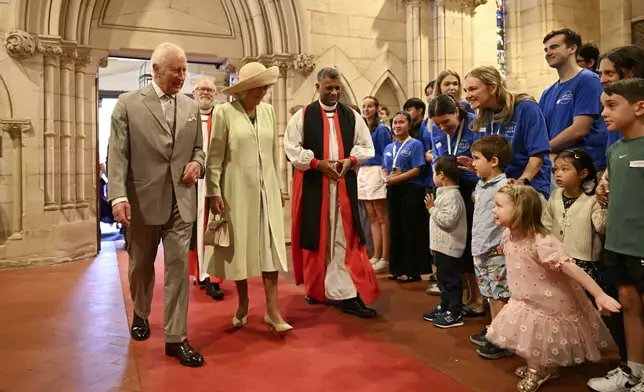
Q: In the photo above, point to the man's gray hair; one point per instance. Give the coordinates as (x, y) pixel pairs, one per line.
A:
(329, 72)
(163, 50)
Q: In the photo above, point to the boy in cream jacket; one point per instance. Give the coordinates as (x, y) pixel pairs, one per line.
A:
(448, 238)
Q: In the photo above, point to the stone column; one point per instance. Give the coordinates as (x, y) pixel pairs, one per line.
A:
(51, 49)
(454, 34)
(414, 61)
(67, 116)
(16, 127)
(283, 62)
(80, 101)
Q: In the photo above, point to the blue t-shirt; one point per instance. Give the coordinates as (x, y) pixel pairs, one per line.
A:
(579, 96)
(612, 138)
(381, 137)
(440, 145)
(529, 136)
(425, 138)
(411, 155)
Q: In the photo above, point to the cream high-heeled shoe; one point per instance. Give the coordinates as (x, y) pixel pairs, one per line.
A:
(276, 327)
(237, 323)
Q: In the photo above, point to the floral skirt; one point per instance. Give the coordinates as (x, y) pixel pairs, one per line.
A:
(552, 340)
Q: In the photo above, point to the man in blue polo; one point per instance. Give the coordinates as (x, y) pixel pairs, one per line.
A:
(572, 105)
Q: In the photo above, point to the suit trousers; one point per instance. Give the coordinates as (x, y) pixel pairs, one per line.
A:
(143, 245)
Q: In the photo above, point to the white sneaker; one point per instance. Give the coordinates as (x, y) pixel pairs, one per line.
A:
(617, 380)
(639, 387)
(381, 266)
(373, 260)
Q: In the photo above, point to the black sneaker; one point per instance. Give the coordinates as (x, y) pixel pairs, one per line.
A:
(449, 320)
(479, 338)
(490, 351)
(431, 315)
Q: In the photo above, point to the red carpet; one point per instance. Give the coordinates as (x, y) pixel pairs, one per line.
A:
(326, 351)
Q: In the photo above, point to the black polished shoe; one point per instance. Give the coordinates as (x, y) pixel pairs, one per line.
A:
(214, 291)
(201, 283)
(184, 352)
(313, 301)
(140, 329)
(356, 307)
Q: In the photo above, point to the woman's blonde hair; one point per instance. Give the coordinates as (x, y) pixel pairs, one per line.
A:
(528, 208)
(490, 76)
(439, 80)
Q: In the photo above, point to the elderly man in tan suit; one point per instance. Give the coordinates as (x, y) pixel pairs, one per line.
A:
(156, 158)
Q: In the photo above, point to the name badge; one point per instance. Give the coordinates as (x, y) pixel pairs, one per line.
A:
(439, 145)
(564, 222)
(636, 164)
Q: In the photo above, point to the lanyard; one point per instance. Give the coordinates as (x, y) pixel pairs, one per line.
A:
(498, 130)
(458, 140)
(393, 165)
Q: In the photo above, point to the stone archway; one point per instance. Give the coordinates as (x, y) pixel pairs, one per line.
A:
(389, 92)
(265, 26)
(57, 48)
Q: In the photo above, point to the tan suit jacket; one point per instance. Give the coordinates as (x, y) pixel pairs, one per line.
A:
(145, 165)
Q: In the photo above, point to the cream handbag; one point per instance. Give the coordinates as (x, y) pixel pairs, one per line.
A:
(217, 233)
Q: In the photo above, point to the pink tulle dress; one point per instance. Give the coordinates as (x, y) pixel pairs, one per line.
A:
(549, 318)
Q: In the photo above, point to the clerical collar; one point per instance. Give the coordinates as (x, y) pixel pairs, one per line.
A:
(205, 112)
(328, 108)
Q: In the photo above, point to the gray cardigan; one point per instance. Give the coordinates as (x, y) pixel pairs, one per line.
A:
(448, 222)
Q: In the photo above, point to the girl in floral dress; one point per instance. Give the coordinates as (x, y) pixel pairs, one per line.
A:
(549, 321)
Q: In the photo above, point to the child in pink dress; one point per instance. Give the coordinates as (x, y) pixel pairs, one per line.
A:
(549, 320)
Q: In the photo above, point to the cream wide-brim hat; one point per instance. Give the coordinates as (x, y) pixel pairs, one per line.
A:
(253, 75)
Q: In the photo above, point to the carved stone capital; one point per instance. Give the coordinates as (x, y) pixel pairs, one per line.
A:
(69, 54)
(283, 61)
(83, 57)
(304, 63)
(19, 44)
(471, 5)
(51, 48)
(16, 127)
(412, 3)
(465, 5)
(102, 63)
(280, 60)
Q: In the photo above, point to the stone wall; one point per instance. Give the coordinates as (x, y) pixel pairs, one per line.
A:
(367, 43)
(622, 22)
(47, 168)
(528, 21)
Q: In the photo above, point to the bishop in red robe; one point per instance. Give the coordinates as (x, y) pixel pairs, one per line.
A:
(198, 256)
(324, 141)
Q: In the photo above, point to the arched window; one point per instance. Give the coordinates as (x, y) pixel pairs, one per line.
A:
(500, 35)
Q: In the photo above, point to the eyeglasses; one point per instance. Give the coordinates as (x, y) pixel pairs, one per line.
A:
(206, 90)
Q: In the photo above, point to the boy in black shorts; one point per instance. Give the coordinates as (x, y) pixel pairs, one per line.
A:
(623, 103)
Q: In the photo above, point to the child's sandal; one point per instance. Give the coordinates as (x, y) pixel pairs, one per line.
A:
(533, 380)
(522, 372)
